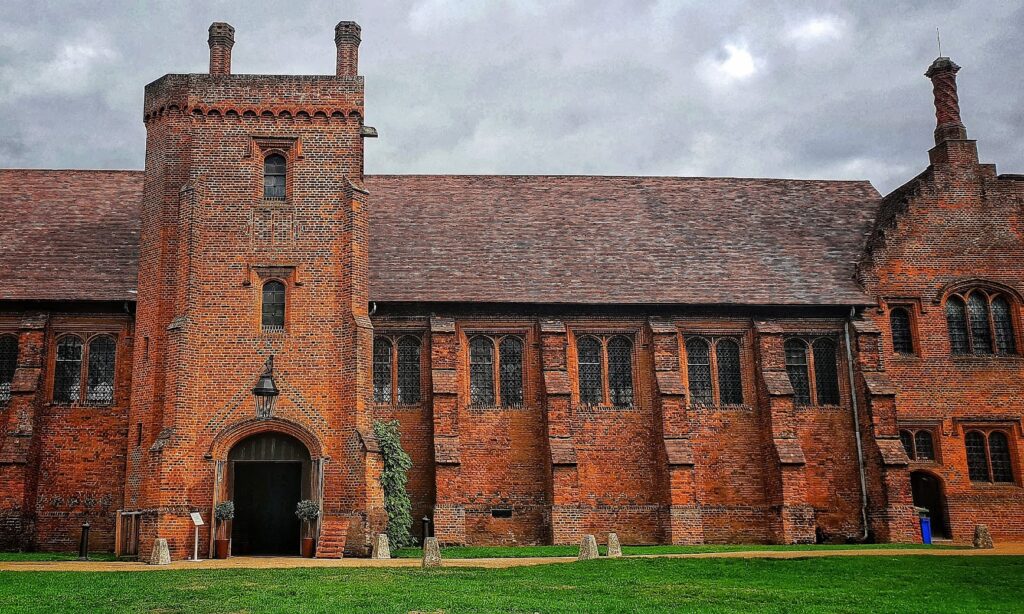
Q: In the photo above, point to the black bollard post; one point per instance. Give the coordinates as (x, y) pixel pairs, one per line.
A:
(83, 544)
(426, 528)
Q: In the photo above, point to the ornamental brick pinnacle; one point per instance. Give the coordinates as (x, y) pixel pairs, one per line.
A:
(948, 124)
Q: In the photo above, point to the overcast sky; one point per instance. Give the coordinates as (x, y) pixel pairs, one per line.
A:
(726, 88)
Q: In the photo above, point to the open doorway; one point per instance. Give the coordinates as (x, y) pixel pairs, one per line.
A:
(928, 493)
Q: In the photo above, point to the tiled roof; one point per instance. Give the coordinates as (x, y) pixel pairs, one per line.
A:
(69, 235)
(73, 235)
(565, 239)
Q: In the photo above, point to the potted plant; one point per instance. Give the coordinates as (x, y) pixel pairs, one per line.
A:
(308, 512)
(224, 512)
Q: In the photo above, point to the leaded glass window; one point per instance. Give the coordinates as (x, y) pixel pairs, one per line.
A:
(588, 357)
(481, 372)
(923, 448)
(8, 364)
(826, 375)
(1002, 321)
(100, 388)
(273, 305)
(67, 378)
(620, 371)
(698, 371)
(409, 371)
(999, 452)
(730, 384)
(382, 370)
(977, 459)
(510, 362)
(899, 324)
(956, 320)
(796, 366)
(907, 439)
(977, 311)
(274, 176)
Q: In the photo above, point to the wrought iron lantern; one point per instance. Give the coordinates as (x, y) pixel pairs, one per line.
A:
(266, 391)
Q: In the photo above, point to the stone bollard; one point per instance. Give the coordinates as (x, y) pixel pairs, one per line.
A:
(161, 553)
(588, 548)
(982, 538)
(381, 547)
(431, 552)
(614, 548)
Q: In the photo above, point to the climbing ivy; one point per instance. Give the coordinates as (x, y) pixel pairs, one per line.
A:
(393, 478)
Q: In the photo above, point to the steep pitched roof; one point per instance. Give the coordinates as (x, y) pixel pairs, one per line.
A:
(69, 235)
(568, 239)
(73, 235)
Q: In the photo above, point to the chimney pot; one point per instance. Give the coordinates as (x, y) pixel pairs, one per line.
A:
(222, 39)
(346, 37)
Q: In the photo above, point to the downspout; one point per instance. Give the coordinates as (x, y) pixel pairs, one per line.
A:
(856, 428)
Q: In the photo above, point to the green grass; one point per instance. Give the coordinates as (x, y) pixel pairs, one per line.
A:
(833, 584)
(52, 556)
(494, 552)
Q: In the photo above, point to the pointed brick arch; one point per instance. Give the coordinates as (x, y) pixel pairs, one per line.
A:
(235, 433)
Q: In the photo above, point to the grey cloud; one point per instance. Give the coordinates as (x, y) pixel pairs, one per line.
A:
(809, 89)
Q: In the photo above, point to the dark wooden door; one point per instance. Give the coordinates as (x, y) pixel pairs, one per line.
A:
(265, 498)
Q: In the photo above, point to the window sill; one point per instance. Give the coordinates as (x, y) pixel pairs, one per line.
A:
(77, 405)
(995, 485)
(397, 406)
(603, 407)
(272, 330)
(986, 358)
(496, 407)
(720, 407)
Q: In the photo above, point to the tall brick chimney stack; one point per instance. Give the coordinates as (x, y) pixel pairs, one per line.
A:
(346, 37)
(222, 39)
(948, 125)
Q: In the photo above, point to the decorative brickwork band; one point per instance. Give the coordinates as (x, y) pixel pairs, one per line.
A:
(346, 37)
(948, 125)
(222, 39)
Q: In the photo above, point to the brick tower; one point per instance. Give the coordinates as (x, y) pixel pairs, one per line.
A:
(253, 245)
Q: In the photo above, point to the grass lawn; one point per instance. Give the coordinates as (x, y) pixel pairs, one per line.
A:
(494, 552)
(835, 584)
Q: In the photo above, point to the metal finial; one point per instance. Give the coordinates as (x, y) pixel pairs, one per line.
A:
(938, 40)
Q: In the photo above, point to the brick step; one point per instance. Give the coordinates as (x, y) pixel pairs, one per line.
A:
(333, 535)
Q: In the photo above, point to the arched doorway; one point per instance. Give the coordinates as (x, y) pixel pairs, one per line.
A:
(927, 492)
(268, 474)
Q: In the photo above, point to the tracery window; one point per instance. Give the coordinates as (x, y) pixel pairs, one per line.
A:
(274, 177)
(85, 370)
(8, 364)
(988, 456)
(918, 444)
(605, 359)
(396, 375)
(714, 377)
(273, 305)
(980, 322)
(496, 371)
(902, 335)
(822, 361)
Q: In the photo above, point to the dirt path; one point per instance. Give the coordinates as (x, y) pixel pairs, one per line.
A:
(245, 562)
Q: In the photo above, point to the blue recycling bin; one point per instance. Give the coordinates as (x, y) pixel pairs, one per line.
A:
(926, 530)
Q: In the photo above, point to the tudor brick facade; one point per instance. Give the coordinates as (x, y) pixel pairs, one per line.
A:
(752, 373)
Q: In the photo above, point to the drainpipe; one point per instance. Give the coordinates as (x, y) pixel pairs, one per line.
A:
(856, 427)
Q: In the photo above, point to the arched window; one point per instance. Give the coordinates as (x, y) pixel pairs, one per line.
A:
(999, 453)
(907, 439)
(510, 359)
(980, 323)
(899, 324)
(8, 364)
(956, 320)
(588, 357)
(382, 370)
(620, 371)
(796, 366)
(409, 371)
(67, 378)
(698, 371)
(826, 375)
(977, 312)
(481, 372)
(730, 384)
(1002, 322)
(923, 448)
(102, 353)
(273, 305)
(274, 175)
(977, 456)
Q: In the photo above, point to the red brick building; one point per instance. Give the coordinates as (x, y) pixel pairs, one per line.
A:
(680, 360)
